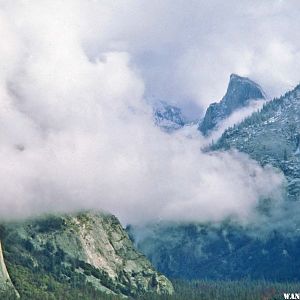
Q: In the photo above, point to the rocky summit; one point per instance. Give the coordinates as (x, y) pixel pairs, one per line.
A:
(92, 249)
(168, 117)
(240, 91)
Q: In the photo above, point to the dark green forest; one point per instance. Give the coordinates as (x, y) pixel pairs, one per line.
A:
(37, 286)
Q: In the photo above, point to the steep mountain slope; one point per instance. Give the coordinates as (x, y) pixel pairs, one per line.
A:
(6, 285)
(271, 136)
(220, 252)
(239, 92)
(168, 117)
(90, 248)
(228, 251)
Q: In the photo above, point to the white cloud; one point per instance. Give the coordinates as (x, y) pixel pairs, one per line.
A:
(186, 50)
(76, 132)
(236, 117)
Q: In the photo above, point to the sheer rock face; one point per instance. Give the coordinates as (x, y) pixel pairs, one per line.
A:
(5, 281)
(93, 245)
(239, 92)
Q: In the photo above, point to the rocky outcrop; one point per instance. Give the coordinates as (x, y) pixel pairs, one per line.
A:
(92, 246)
(6, 285)
(239, 92)
(168, 117)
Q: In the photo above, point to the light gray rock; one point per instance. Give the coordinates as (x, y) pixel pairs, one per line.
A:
(239, 92)
(5, 282)
(95, 246)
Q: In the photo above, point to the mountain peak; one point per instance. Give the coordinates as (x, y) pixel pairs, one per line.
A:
(237, 79)
(168, 117)
(235, 76)
(239, 92)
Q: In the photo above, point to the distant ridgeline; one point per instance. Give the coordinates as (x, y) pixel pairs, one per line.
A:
(229, 251)
(240, 91)
(168, 117)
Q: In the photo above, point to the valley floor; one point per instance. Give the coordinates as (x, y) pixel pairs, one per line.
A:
(230, 290)
(45, 287)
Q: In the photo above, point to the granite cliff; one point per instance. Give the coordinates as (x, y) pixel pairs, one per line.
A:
(89, 248)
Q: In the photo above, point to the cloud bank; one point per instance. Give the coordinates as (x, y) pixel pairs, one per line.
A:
(185, 51)
(75, 129)
(236, 117)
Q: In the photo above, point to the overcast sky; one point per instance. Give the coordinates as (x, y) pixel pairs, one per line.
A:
(186, 50)
(76, 131)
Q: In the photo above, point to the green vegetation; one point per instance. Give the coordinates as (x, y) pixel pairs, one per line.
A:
(228, 290)
(36, 286)
(44, 262)
(55, 272)
(59, 255)
(41, 285)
